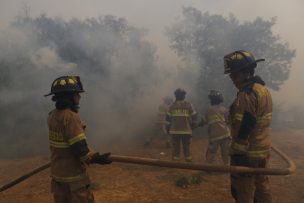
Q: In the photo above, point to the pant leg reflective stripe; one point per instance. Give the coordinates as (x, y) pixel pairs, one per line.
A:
(213, 139)
(259, 153)
(180, 132)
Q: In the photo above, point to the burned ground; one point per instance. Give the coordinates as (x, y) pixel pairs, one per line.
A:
(134, 183)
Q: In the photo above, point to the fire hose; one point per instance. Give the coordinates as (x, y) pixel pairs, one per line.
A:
(190, 166)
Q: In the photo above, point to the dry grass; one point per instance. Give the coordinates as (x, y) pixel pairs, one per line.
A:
(134, 183)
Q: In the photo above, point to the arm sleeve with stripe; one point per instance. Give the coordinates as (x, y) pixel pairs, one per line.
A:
(76, 137)
(246, 111)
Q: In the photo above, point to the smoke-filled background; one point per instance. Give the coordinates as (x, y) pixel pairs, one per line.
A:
(130, 54)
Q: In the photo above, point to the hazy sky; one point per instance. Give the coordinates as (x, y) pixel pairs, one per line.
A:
(156, 14)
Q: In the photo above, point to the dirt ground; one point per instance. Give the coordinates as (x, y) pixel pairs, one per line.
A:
(134, 183)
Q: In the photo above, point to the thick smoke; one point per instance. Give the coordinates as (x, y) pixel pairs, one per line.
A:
(207, 38)
(122, 75)
(118, 67)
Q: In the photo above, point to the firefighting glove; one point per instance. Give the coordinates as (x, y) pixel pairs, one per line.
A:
(239, 147)
(101, 159)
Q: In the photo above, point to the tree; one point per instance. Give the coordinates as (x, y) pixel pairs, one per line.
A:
(207, 38)
(116, 64)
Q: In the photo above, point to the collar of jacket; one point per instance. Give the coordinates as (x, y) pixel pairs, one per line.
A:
(247, 85)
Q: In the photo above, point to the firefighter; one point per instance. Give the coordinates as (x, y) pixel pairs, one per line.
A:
(160, 124)
(70, 154)
(181, 118)
(216, 116)
(250, 117)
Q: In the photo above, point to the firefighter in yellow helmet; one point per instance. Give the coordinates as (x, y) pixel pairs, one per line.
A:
(70, 154)
(250, 117)
(216, 116)
(181, 118)
(159, 129)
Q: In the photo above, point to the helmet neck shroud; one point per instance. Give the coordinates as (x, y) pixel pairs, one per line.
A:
(180, 97)
(215, 101)
(180, 94)
(65, 100)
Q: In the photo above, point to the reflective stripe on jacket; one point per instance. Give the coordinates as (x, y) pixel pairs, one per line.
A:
(65, 129)
(181, 115)
(216, 117)
(255, 99)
